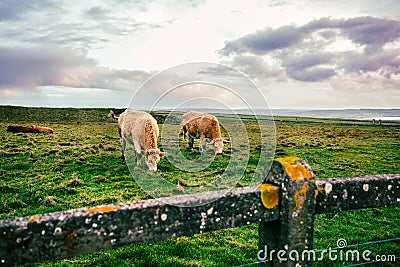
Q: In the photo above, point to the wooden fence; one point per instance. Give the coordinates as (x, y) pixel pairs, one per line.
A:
(284, 206)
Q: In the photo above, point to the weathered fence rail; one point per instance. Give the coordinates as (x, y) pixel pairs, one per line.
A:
(284, 207)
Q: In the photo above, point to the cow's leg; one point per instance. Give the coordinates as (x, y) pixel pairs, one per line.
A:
(203, 143)
(138, 154)
(190, 142)
(138, 157)
(184, 133)
(123, 146)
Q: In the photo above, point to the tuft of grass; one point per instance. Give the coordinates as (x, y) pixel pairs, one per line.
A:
(74, 181)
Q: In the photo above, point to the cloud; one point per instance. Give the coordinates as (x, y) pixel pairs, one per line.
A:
(305, 67)
(219, 70)
(77, 25)
(366, 82)
(30, 68)
(262, 42)
(96, 12)
(369, 31)
(33, 23)
(115, 21)
(11, 10)
(388, 59)
(255, 65)
(140, 5)
(307, 60)
(311, 74)
(321, 50)
(373, 32)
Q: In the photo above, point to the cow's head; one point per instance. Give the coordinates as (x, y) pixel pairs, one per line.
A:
(152, 158)
(218, 144)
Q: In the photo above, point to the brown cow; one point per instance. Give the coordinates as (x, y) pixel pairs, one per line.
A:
(205, 127)
(194, 114)
(29, 129)
(191, 115)
(140, 129)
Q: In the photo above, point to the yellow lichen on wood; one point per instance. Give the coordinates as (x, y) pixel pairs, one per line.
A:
(318, 190)
(269, 195)
(103, 208)
(294, 168)
(34, 218)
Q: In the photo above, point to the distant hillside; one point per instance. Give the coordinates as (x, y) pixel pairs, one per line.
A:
(55, 114)
(16, 113)
(35, 114)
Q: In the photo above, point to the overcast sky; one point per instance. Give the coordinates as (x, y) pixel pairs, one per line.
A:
(301, 54)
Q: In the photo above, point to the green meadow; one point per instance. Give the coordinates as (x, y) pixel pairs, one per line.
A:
(80, 165)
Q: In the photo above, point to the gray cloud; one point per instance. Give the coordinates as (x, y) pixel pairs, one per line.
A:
(369, 31)
(262, 42)
(255, 65)
(314, 74)
(11, 10)
(303, 52)
(305, 67)
(362, 30)
(97, 13)
(29, 68)
(306, 60)
(48, 23)
(64, 35)
(109, 21)
(140, 5)
(352, 61)
(45, 23)
(219, 70)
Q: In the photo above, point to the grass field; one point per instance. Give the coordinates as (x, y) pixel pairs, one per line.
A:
(79, 165)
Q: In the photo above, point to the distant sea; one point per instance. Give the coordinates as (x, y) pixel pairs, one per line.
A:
(351, 114)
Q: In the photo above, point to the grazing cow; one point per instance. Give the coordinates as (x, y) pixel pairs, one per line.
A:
(140, 129)
(194, 114)
(111, 114)
(203, 126)
(29, 129)
(191, 115)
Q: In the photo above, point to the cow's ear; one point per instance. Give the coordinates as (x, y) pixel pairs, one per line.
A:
(162, 154)
(225, 141)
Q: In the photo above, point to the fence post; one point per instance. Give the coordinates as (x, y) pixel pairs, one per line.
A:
(288, 241)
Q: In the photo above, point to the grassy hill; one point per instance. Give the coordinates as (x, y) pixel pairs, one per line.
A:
(79, 165)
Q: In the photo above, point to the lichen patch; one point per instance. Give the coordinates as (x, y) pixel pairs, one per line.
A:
(269, 195)
(33, 218)
(103, 208)
(294, 168)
